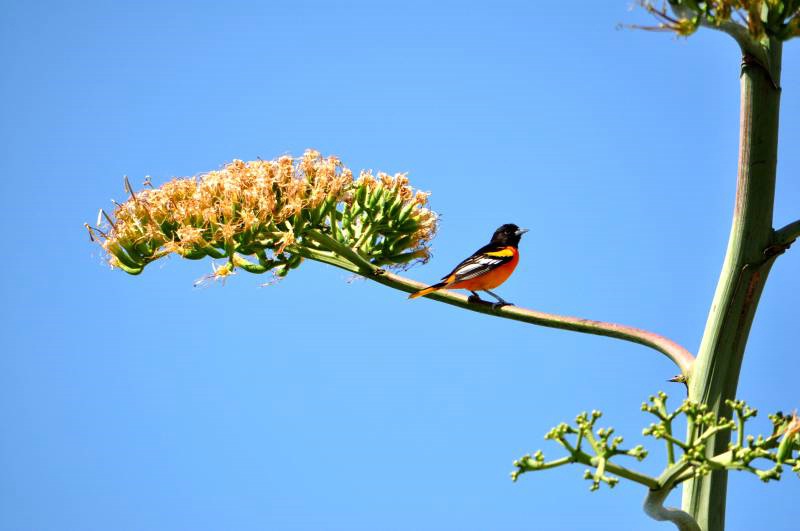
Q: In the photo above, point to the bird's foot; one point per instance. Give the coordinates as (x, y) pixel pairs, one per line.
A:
(475, 299)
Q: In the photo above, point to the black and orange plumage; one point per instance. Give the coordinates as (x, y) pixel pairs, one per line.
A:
(486, 268)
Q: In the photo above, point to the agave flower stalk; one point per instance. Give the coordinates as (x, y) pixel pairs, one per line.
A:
(270, 215)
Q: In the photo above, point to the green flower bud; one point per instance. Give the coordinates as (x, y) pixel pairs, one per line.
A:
(375, 198)
(361, 194)
(405, 211)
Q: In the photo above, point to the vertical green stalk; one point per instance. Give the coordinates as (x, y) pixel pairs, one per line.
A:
(715, 375)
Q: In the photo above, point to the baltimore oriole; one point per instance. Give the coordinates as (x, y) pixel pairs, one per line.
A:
(487, 268)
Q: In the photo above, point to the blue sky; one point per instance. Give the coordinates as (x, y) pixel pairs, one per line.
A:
(322, 403)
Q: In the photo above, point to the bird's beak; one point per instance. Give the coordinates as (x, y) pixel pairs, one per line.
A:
(520, 232)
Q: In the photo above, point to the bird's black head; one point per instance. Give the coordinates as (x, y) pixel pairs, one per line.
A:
(508, 234)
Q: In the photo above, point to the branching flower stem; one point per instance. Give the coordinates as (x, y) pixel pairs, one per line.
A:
(596, 447)
(627, 473)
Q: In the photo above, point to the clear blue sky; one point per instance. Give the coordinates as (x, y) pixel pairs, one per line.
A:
(320, 404)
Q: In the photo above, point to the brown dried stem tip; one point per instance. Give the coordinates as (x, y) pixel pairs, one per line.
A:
(275, 212)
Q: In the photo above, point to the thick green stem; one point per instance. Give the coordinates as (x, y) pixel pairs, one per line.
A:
(748, 260)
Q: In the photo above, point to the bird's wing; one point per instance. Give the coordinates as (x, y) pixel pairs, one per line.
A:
(482, 261)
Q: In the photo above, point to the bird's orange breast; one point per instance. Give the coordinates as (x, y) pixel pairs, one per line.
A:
(490, 279)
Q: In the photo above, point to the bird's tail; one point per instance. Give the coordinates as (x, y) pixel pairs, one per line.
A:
(429, 289)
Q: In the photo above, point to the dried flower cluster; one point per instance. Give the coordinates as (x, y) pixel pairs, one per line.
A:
(762, 19)
(270, 211)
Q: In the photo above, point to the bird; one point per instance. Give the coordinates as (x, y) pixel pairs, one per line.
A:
(486, 268)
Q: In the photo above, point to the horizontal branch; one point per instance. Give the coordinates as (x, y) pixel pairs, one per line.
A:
(679, 355)
(530, 464)
(623, 472)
